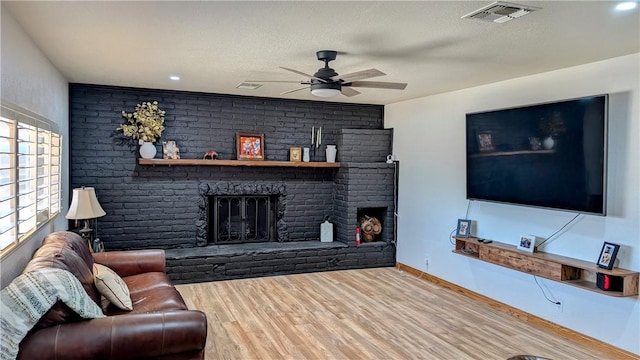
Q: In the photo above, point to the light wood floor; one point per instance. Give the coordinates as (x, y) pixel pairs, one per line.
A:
(379, 313)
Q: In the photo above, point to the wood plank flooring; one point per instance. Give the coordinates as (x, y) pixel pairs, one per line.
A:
(381, 313)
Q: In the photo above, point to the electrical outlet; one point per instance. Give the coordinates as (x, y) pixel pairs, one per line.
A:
(559, 305)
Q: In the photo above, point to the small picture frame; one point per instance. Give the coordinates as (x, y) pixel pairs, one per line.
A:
(464, 228)
(527, 243)
(485, 142)
(249, 146)
(608, 255)
(170, 150)
(295, 154)
(534, 143)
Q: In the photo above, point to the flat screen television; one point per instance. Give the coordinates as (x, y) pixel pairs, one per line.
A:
(550, 155)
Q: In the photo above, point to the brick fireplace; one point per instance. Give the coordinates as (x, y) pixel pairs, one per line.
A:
(169, 207)
(227, 214)
(239, 219)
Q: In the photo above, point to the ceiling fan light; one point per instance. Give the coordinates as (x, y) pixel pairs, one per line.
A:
(325, 89)
(325, 93)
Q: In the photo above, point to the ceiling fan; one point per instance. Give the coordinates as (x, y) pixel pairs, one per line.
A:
(326, 82)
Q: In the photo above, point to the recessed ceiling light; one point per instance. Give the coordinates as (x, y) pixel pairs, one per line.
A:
(174, 77)
(628, 5)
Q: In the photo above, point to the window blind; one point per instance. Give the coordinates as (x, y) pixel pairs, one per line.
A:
(30, 174)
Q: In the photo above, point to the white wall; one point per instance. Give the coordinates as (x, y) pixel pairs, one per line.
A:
(429, 140)
(30, 81)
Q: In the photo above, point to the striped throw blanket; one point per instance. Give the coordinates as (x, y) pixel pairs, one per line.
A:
(30, 296)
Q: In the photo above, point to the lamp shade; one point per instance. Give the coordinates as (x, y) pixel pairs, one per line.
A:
(84, 205)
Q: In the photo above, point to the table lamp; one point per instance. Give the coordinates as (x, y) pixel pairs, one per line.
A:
(85, 206)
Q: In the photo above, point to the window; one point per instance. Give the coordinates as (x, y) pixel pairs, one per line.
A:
(29, 174)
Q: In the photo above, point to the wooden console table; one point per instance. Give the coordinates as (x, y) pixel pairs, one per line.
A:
(574, 272)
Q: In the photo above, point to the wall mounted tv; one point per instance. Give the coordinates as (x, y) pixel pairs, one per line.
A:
(550, 155)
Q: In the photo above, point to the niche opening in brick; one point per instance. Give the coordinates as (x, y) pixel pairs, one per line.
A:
(370, 221)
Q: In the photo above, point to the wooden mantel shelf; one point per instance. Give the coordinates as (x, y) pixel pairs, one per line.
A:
(200, 162)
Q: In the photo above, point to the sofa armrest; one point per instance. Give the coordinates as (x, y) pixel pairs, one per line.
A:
(132, 262)
(133, 336)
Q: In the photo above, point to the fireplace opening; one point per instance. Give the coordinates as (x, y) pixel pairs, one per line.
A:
(370, 222)
(241, 219)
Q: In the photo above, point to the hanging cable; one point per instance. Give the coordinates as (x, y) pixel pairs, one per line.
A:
(555, 233)
(394, 241)
(543, 293)
(451, 236)
(466, 216)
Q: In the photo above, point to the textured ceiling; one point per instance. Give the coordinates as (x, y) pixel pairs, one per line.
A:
(214, 46)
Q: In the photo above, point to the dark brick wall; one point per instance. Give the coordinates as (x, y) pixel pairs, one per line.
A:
(150, 206)
(158, 207)
(363, 185)
(364, 180)
(364, 145)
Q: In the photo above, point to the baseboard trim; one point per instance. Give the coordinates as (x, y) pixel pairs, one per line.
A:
(538, 321)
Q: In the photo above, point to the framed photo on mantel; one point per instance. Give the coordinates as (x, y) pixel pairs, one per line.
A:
(295, 154)
(249, 146)
(170, 150)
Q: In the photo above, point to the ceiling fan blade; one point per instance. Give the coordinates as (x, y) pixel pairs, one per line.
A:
(359, 75)
(275, 81)
(379, 85)
(294, 90)
(349, 92)
(303, 74)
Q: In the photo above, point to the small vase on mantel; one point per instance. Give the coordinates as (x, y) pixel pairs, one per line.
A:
(548, 143)
(331, 153)
(147, 150)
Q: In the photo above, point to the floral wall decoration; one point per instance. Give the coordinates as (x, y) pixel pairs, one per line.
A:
(145, 123)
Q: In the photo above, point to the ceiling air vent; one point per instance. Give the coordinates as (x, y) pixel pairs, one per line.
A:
(248, 86)
(501, 12)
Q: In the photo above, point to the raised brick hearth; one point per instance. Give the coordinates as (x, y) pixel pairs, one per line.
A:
(224, 262)
(165, 207)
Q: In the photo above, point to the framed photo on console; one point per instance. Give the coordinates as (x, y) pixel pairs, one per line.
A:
(249, 146)
(608, 255)
(527, 243)
(464, 228)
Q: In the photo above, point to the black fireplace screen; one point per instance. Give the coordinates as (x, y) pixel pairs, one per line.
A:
(241, 219)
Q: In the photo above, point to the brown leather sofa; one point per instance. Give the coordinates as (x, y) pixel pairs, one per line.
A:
(159, 327)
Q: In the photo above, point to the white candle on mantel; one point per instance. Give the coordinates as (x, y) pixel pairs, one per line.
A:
(320, 136)
(313, 133)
